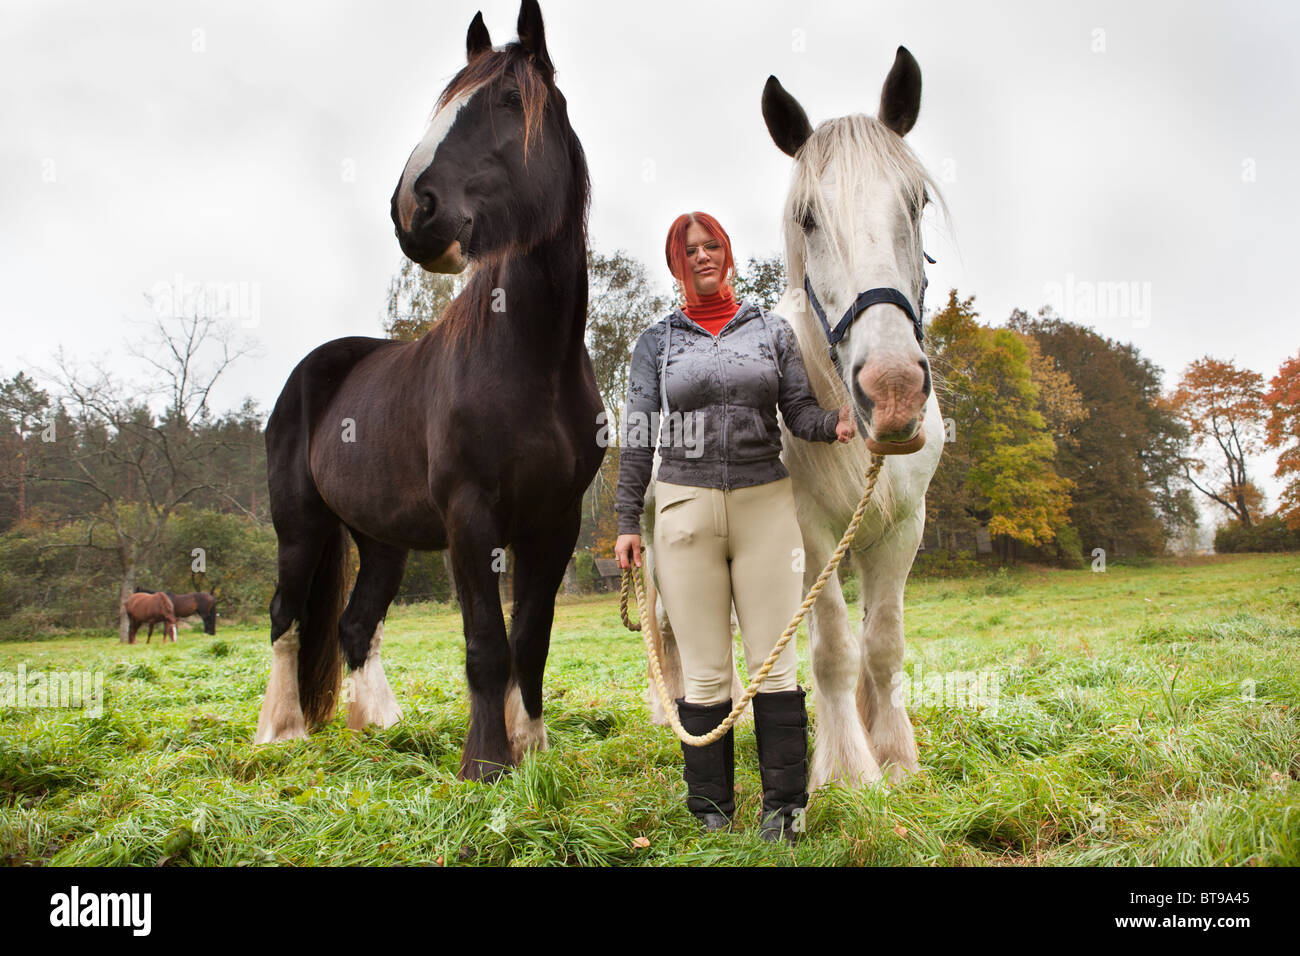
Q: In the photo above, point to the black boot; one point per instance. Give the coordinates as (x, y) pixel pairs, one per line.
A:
(711, 770)
(781, 729)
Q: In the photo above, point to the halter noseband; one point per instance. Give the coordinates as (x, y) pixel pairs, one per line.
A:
(864, 301)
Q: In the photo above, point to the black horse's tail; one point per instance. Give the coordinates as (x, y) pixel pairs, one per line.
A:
(320, 660)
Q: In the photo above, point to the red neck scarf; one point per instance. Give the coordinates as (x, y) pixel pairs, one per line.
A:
(713, 311)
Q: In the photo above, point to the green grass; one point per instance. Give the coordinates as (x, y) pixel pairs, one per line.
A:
(1147, 715)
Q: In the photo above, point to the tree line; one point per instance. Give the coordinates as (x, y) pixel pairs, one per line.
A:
(1058, 442)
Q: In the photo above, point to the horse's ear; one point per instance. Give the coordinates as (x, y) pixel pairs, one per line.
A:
(900, 97)
(477, 41)
(786, 121)
(532, 36)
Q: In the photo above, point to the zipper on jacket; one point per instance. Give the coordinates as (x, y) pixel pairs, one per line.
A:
(722, 373)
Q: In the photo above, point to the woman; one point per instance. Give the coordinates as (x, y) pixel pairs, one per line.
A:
(712, 376)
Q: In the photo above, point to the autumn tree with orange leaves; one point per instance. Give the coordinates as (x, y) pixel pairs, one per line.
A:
(1223, 409)
(1283, 401)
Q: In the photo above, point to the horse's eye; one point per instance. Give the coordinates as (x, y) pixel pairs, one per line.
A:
(917, 209)
(806, 221)
(512, 98)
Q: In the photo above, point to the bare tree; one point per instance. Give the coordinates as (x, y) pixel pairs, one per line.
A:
(188, 354)
(138, 467)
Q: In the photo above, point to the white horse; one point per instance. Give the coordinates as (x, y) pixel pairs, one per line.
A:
(852, 223)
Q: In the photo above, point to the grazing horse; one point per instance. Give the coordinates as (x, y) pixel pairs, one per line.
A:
(481, 435)
(202, 603)
(852, 224)
(150, 608)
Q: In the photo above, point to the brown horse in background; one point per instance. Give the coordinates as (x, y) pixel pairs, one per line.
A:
(151, 609)
(202, 603)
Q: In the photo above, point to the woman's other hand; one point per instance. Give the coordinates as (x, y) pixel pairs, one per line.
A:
(628, 550)
(845, 430)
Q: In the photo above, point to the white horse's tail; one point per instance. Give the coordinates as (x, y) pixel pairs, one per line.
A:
(652, 617)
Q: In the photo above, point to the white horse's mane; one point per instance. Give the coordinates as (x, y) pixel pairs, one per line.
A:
(856, 150)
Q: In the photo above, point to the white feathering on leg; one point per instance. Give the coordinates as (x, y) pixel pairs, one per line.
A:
(372, 701)
(281, 716)
(525, 733)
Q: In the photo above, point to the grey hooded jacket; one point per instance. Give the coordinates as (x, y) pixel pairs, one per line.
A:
(712, 406)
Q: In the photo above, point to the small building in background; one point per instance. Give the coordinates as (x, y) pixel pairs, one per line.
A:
(611, 575)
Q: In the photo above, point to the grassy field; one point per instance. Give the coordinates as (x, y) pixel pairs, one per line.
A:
(1147, 715)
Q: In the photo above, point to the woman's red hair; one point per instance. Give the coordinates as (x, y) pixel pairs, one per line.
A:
(679, 265)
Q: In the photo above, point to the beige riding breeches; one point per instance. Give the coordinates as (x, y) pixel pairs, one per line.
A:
(713, 547)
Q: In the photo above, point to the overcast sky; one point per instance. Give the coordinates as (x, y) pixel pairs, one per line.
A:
(148, 146)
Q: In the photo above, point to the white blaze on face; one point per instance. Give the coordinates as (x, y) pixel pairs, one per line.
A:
(422, 156)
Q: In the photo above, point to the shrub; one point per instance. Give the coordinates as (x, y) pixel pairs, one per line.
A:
(1067, 549)
(239, 555)
(947, 564)
(1267, 534)
(1002, 583)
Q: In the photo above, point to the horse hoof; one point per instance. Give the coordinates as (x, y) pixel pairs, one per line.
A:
(532, 738)
(272, 735)
(525, 733)
(484, 771)
(896, 773)
(372, 702)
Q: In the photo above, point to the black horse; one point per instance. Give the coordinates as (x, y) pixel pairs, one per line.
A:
(480, 436)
